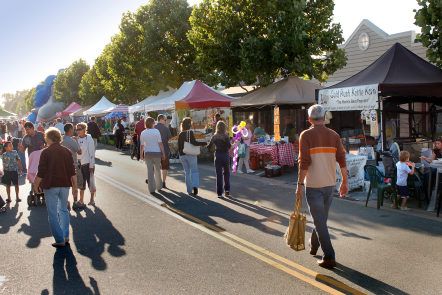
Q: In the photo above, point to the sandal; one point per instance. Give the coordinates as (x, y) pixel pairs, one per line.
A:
(91, 203)
(18, 200)
(8, 200)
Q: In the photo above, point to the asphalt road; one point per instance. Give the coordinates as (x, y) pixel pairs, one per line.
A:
(132, 243)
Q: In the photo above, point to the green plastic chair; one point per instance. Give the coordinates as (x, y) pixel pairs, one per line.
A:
(375, 176)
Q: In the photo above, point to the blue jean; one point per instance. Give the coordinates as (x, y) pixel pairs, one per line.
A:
(319, 201)
(191, 172)
(222, 161)
(56, 203)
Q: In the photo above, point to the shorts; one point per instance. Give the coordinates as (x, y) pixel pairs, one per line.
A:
(403, 191)
(10, 178)
(165, 164)
(84, 176)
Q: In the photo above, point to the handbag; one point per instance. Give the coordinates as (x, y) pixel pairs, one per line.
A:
(295, 234)
(190, 149)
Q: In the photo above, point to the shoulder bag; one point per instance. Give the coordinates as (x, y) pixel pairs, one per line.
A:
(190, 149)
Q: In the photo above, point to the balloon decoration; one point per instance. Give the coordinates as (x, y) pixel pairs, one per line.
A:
(238, 132)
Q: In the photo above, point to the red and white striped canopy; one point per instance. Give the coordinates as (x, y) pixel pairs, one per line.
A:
(121, 108)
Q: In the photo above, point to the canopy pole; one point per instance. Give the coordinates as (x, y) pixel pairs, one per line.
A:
(382, 122)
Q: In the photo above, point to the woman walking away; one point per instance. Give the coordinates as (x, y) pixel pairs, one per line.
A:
(190, 162)
(119, 134)
(152, 151)
(11, 167)
(246, 141)
(56, 174)
(222, 145)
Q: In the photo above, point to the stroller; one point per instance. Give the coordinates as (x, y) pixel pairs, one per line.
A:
(34, 198)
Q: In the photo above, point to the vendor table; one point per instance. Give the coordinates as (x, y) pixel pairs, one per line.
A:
(433, 195)
(281, 154)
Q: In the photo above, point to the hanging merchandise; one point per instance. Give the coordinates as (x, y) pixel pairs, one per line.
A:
(374, 125)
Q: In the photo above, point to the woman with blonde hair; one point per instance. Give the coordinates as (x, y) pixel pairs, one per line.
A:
(190, 162)
(222, 145)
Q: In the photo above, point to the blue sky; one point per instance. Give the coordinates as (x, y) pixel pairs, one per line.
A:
(38, 37)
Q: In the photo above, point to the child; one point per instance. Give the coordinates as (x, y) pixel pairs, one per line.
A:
(403, 170)
(221, 142)
(11, 166)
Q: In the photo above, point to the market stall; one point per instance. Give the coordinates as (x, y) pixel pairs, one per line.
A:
(397, 80)
(279, 109)
(72, 108)
(100, 108)
(143, 106)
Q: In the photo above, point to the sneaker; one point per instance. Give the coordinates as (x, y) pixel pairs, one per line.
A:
(405, 209)
(327, 263)
(239, 172)
(220, 196)
(227, 194)
(195, 191)
(250, 171)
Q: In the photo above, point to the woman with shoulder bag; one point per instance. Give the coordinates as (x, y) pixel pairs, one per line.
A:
(189, 149)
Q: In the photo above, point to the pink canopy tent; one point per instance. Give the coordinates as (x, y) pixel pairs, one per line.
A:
(72, 108)
(202, 96)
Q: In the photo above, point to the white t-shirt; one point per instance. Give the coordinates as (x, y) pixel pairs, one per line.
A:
(402, 173)
(150, 139)
(87, 146)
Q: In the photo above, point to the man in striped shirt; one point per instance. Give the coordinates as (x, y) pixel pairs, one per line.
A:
(319, 150)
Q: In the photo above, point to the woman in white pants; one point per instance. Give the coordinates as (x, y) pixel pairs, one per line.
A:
(152, 151)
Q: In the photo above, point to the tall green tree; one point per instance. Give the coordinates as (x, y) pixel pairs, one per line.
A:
(16, 102)
(429, 18)
(256, 41)
(67, 82)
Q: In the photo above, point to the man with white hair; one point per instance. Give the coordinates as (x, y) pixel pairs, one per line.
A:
(319, 150)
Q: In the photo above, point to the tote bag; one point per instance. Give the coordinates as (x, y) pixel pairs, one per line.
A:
(295, 234)
(190, 149)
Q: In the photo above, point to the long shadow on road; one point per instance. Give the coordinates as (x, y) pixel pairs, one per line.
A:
(66, 278)
(38, 227)
(92, 231)
(10, 218)
(206, 209)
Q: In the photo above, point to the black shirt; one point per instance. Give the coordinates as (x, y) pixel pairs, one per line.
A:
(438, 153)
(221, 142)
(183, 137)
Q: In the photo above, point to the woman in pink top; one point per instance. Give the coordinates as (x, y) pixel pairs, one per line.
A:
(246, 140)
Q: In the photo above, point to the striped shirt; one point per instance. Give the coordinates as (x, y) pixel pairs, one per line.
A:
(319, 150)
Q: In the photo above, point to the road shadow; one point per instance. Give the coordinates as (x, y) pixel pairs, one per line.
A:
(206, 209)
(66, 277)
(362, 280)
(10, 218)
(93, 233)
(100, 162)
(38, 227)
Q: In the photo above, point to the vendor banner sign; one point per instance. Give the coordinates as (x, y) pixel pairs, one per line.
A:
(363, 97)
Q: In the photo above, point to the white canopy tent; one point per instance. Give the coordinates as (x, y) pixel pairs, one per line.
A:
(100, 107)
(141, 106)
(168, 103)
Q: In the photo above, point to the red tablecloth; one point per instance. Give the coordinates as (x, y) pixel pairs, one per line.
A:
(281, 154)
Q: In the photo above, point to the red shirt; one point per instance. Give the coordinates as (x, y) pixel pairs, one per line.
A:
(139, 127)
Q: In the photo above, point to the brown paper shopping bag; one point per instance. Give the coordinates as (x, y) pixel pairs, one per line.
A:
(295, 234)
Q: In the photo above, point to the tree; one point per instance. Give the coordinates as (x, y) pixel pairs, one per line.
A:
(429, 19)
(150, 53)
(67, 83)
(254, 41)
(16, 102)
